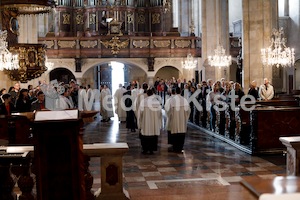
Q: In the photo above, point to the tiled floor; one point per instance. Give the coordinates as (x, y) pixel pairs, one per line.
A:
(208, 168)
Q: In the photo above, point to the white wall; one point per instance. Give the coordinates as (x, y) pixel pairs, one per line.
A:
(281, 8)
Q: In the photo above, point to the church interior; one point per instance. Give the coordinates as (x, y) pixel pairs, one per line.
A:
(66, 64)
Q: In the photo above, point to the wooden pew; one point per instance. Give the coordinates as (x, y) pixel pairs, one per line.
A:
(268, 124)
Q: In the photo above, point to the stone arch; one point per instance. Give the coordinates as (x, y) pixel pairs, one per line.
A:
(61, 74)
(89, 63)
(162, 62)
(167, 72)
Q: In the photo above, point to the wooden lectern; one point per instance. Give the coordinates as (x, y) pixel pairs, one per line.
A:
(59, 156)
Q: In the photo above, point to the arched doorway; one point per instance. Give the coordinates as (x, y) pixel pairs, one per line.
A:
(168, 72)
(61, 75)
(113, 73)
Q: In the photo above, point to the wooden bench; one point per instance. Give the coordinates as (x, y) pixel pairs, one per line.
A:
(276, 185)
(111, 165)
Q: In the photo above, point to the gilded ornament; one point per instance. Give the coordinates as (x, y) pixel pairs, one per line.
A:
(115, 44)
(130, 18)
(161, 43)
(141, 18)
(79, 19)
(66, 44)
(88, 44)
(155, 18)
(92, 18)
(66, 18)
(140, 43)
(49, 44)
(182, 43)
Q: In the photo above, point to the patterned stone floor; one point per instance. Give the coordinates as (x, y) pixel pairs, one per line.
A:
(208, 168)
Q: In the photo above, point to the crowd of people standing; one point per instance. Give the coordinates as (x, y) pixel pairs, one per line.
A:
(140, 106)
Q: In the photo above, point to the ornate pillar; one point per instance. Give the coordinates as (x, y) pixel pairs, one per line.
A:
(215, 31)
(259, 18)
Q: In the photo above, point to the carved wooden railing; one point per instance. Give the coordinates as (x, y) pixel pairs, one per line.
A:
(258, 130)
(16, 167)
(121, 46)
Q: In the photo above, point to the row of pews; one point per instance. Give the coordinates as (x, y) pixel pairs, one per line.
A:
(256, 131)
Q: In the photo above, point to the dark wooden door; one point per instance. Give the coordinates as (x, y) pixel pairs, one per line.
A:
(105, 75)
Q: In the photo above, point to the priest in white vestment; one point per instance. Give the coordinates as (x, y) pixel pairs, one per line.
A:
(140, 97)
(178, 112)
(120, 103)
(150, 121)
(106, 109)
(64, 100)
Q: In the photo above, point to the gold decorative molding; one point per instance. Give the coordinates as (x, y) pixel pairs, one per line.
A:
(182, 43)
(92, 18)
(155, 18)
(140, 43)
(66, 18)
(130, 18)
(115, 44)
(79, 19)
(31, 62)
(161, 43)
(88, 43)
(66, 44)
(49, 44)
(141, 18)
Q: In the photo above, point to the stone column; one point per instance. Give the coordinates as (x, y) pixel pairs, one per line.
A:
(259, 18)
(215, 31)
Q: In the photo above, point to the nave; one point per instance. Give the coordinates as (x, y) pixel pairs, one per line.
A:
(208, 168)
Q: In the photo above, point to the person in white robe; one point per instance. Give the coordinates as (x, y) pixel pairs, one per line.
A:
(266, 91)
(150, 120)
(178, 111)
(64, 100)
(138, 100)
(120, 103)
(167, 108)
(106, 109)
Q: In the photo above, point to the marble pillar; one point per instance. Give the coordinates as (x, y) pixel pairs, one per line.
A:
(215, 31)
(259, 18)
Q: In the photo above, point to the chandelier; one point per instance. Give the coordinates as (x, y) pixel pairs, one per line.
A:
(277, 53)
(219, 59)
(8, 60)
(189, 63)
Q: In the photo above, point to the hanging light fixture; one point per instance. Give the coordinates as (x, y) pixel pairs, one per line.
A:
(219, 59)
(277, 53)
(8, 60)
(189, 63)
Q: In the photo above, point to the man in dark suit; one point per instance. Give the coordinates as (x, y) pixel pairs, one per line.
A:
(204, 91)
